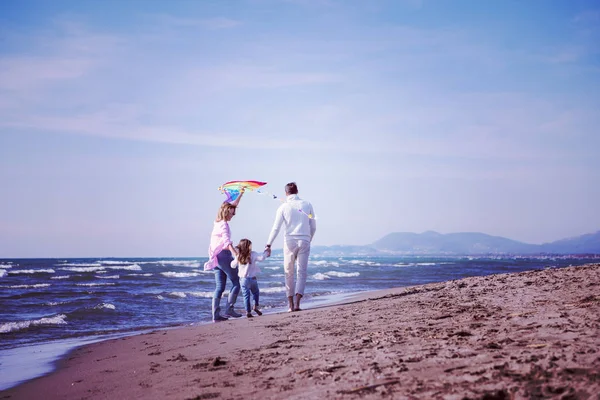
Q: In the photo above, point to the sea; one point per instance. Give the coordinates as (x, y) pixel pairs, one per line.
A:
(51, 306)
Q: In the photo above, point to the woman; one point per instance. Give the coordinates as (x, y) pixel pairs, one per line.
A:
(220, 255)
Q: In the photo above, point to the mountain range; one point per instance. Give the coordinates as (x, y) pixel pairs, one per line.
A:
(463, 243)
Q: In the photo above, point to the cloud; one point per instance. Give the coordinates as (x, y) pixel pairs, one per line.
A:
(388, 90)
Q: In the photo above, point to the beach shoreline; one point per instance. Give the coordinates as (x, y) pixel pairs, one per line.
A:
(34, 361)
(531, 333)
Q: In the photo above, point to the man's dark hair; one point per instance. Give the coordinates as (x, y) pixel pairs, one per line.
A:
(291, 188)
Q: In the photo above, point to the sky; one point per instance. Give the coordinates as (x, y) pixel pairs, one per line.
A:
(119, 120)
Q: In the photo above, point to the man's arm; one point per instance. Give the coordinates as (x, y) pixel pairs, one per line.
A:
(276, 226)
(312, 223)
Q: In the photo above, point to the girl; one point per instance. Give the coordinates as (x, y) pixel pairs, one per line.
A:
(247, 259)
(220, 253)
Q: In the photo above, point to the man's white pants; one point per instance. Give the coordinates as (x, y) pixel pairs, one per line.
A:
(295, 252)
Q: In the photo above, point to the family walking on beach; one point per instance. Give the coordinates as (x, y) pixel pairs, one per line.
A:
(234, 262)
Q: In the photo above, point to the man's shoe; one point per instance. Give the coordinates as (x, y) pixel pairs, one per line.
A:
(219, 318)
(249, 315)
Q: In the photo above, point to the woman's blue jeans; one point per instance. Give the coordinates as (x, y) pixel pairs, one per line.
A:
(222, 272)
(250, 286)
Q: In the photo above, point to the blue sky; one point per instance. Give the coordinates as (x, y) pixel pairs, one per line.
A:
(120, 119)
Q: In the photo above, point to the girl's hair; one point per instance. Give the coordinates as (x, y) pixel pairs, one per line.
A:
(223, 213)
(243, 249)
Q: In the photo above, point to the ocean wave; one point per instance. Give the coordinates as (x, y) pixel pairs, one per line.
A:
(37, 285)
(56, 303)
(342, 274)
(160, 297)
(21, 325)
(94, 284)
(104, 305)
(413, 264)
(278, 275)
(112, 262)
(78, 265)
(178, 294)
(207, 295)
(61, 277)
(273, 268)
(32, 271)
(278, 289)
(320, 277)
(83, 269)
(133, 267)
(364, 262)
(172, 274)
(180, 263)
(324, 263)
(6, 265)
(140, 274)
(108, 277)
(3, 273)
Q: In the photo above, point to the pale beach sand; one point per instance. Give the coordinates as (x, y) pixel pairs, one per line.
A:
(533, 334)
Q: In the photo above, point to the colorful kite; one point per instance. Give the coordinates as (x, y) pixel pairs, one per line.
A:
(232, 189)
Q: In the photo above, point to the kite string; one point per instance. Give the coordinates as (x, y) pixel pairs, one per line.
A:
(275, 197)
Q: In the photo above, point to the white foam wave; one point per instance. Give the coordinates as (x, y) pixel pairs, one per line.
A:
(20, 325)
(320, 277)
(277, 275)
(172, 274)
(207, 295)
(342, 274)
(178, 294)
(104, 305)
(112, 262)
(61, 277)
(181, 263)
(32, 271)
(324, 263)
(6, 265)
(38, 285)
(108, 277)
(273, 268)
(78, 265)
(363, 263)
(140, 274)
(414, 264)
(160, 297)
(56, 303)
(279, 289)
(95, 284)
(84, 269)
(3, 273)
(133, 267)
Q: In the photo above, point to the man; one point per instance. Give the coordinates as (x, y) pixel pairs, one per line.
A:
(297, 216)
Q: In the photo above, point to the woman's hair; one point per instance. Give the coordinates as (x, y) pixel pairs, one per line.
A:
(243, 249)
(223, 213)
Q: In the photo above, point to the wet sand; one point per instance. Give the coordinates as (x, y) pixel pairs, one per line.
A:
(533, 334)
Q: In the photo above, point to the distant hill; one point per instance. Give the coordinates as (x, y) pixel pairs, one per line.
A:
(589, 243)
(452, 243)
(464, 243)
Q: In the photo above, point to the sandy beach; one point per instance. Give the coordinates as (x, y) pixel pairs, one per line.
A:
(533, 334)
